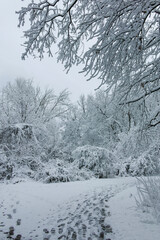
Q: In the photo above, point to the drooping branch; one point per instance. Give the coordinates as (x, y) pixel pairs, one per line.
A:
(123, 40)
(142, 96)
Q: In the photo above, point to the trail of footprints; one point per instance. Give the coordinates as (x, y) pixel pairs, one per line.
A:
(85, 220)
(10, 232)
(77, 220)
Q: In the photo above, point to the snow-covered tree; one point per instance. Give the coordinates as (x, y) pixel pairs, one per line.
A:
(21, 102)
(93, 121)
(29, 130)
(116, 40)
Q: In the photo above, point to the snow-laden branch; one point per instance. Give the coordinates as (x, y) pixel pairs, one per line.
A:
(117, 41)
(142, 96)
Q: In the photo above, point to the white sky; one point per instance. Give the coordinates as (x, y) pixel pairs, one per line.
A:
(46, 73)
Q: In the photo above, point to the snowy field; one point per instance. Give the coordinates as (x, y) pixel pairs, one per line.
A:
(87, 210)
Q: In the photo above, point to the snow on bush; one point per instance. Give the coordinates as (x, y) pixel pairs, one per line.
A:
(19, 167)
(148, 163)
(149, 195)
(129, 144)
(98, 160)
(17, 134)
(123, 167)
(20, 151)
(60, 171)
(25, 154)
(6, 167)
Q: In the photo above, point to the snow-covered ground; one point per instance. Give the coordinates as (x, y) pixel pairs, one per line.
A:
(128, 221)
(87, 210)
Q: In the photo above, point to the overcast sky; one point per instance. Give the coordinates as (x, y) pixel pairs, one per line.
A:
(46, 73)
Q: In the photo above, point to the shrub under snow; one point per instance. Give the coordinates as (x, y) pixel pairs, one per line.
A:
(60, 171)
(149, 195)
(6, 167)
(146, 164)
(98, 160)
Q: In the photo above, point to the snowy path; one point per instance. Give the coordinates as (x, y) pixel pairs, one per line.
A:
(78, 210)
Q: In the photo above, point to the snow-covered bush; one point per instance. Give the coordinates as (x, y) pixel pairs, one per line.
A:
(123, 167)
(98, 160)
(149, 195)
(60, 171)
(26, 154)
(144, 166)
(53, 171)
(130, 144)
(6, 167)
(17, 134)
(21, 151)
(148, 163)
(19, 167)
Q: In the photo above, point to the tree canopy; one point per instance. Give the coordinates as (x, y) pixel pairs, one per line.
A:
(115, 40)
(21, 102)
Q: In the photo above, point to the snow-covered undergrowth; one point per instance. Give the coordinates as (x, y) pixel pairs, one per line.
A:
(145, 164)
(61, 171)
(149, 195)
(54, 170)
(24, 152)
(84, 163)
(98, 160)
